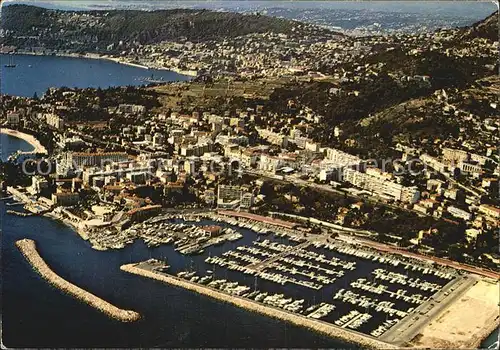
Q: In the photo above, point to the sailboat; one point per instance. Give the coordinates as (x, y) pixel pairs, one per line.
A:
(11, 63)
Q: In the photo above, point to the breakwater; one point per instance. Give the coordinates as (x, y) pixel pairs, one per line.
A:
(299, 320)
(28, 249)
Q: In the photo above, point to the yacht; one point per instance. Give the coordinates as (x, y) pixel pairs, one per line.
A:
(11, 63)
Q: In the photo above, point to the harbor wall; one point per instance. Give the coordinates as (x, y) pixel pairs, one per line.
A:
(28, 249)
(299, 320)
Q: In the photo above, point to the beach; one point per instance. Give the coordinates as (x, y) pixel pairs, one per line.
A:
(119, 60)
(37, 146)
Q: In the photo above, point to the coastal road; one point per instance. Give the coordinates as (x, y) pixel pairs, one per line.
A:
(393, 250)
(405, 330)
(348, 236)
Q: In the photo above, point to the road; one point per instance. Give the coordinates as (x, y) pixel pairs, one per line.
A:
(410, 326)
(327, 188)
(456, 265)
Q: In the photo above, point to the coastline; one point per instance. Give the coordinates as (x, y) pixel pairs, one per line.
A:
(78, 228)
(118, 60)
(28, 248)
(299, 320)
(37, 146)
(271, 312)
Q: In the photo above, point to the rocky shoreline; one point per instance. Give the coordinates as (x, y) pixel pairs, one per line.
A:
(28, 249)
(318, 326)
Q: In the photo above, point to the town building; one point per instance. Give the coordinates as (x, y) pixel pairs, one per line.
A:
(490, 211)
(459, 213)
(83, 159)
(228, 197)
(65, 199)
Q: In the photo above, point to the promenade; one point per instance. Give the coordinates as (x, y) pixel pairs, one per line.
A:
(28, 249)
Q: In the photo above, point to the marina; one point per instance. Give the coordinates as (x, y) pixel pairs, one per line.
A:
(319, 277)
(28, 249)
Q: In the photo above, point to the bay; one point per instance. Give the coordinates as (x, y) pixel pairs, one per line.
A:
(35, 314)
(36, 74)
(10, 144)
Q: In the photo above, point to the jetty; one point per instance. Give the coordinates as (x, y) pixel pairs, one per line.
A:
(28, 249)
(296, 319)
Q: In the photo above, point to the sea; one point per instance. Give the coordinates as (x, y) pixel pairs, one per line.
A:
(36, 74)
(34, 314)
(37, 315)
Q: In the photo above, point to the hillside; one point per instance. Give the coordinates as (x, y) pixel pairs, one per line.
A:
(487, 29)
(396, 75)
(29, 26)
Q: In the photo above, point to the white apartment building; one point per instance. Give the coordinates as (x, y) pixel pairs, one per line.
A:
(131, 109)
(53, 120)
(459, 213)
(228, 197)
(340, 159)
(273, 137)
(13, 118)
(433, 162)
(470, 168)
(455, 156)
(246, 201)
(82, 159)
(380, 186)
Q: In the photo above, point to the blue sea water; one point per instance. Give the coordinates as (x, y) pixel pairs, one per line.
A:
(35, 314)
(35, 74)
(10, 144)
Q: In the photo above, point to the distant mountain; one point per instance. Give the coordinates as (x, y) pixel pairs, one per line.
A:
(487, 29)
(28, 26)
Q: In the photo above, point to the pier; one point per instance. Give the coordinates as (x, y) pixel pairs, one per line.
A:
(28, 249)
(299, 320)
(37, 146)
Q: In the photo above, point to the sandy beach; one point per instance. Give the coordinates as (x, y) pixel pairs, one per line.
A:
(37, 146)
(466, 322)
(118, 60)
